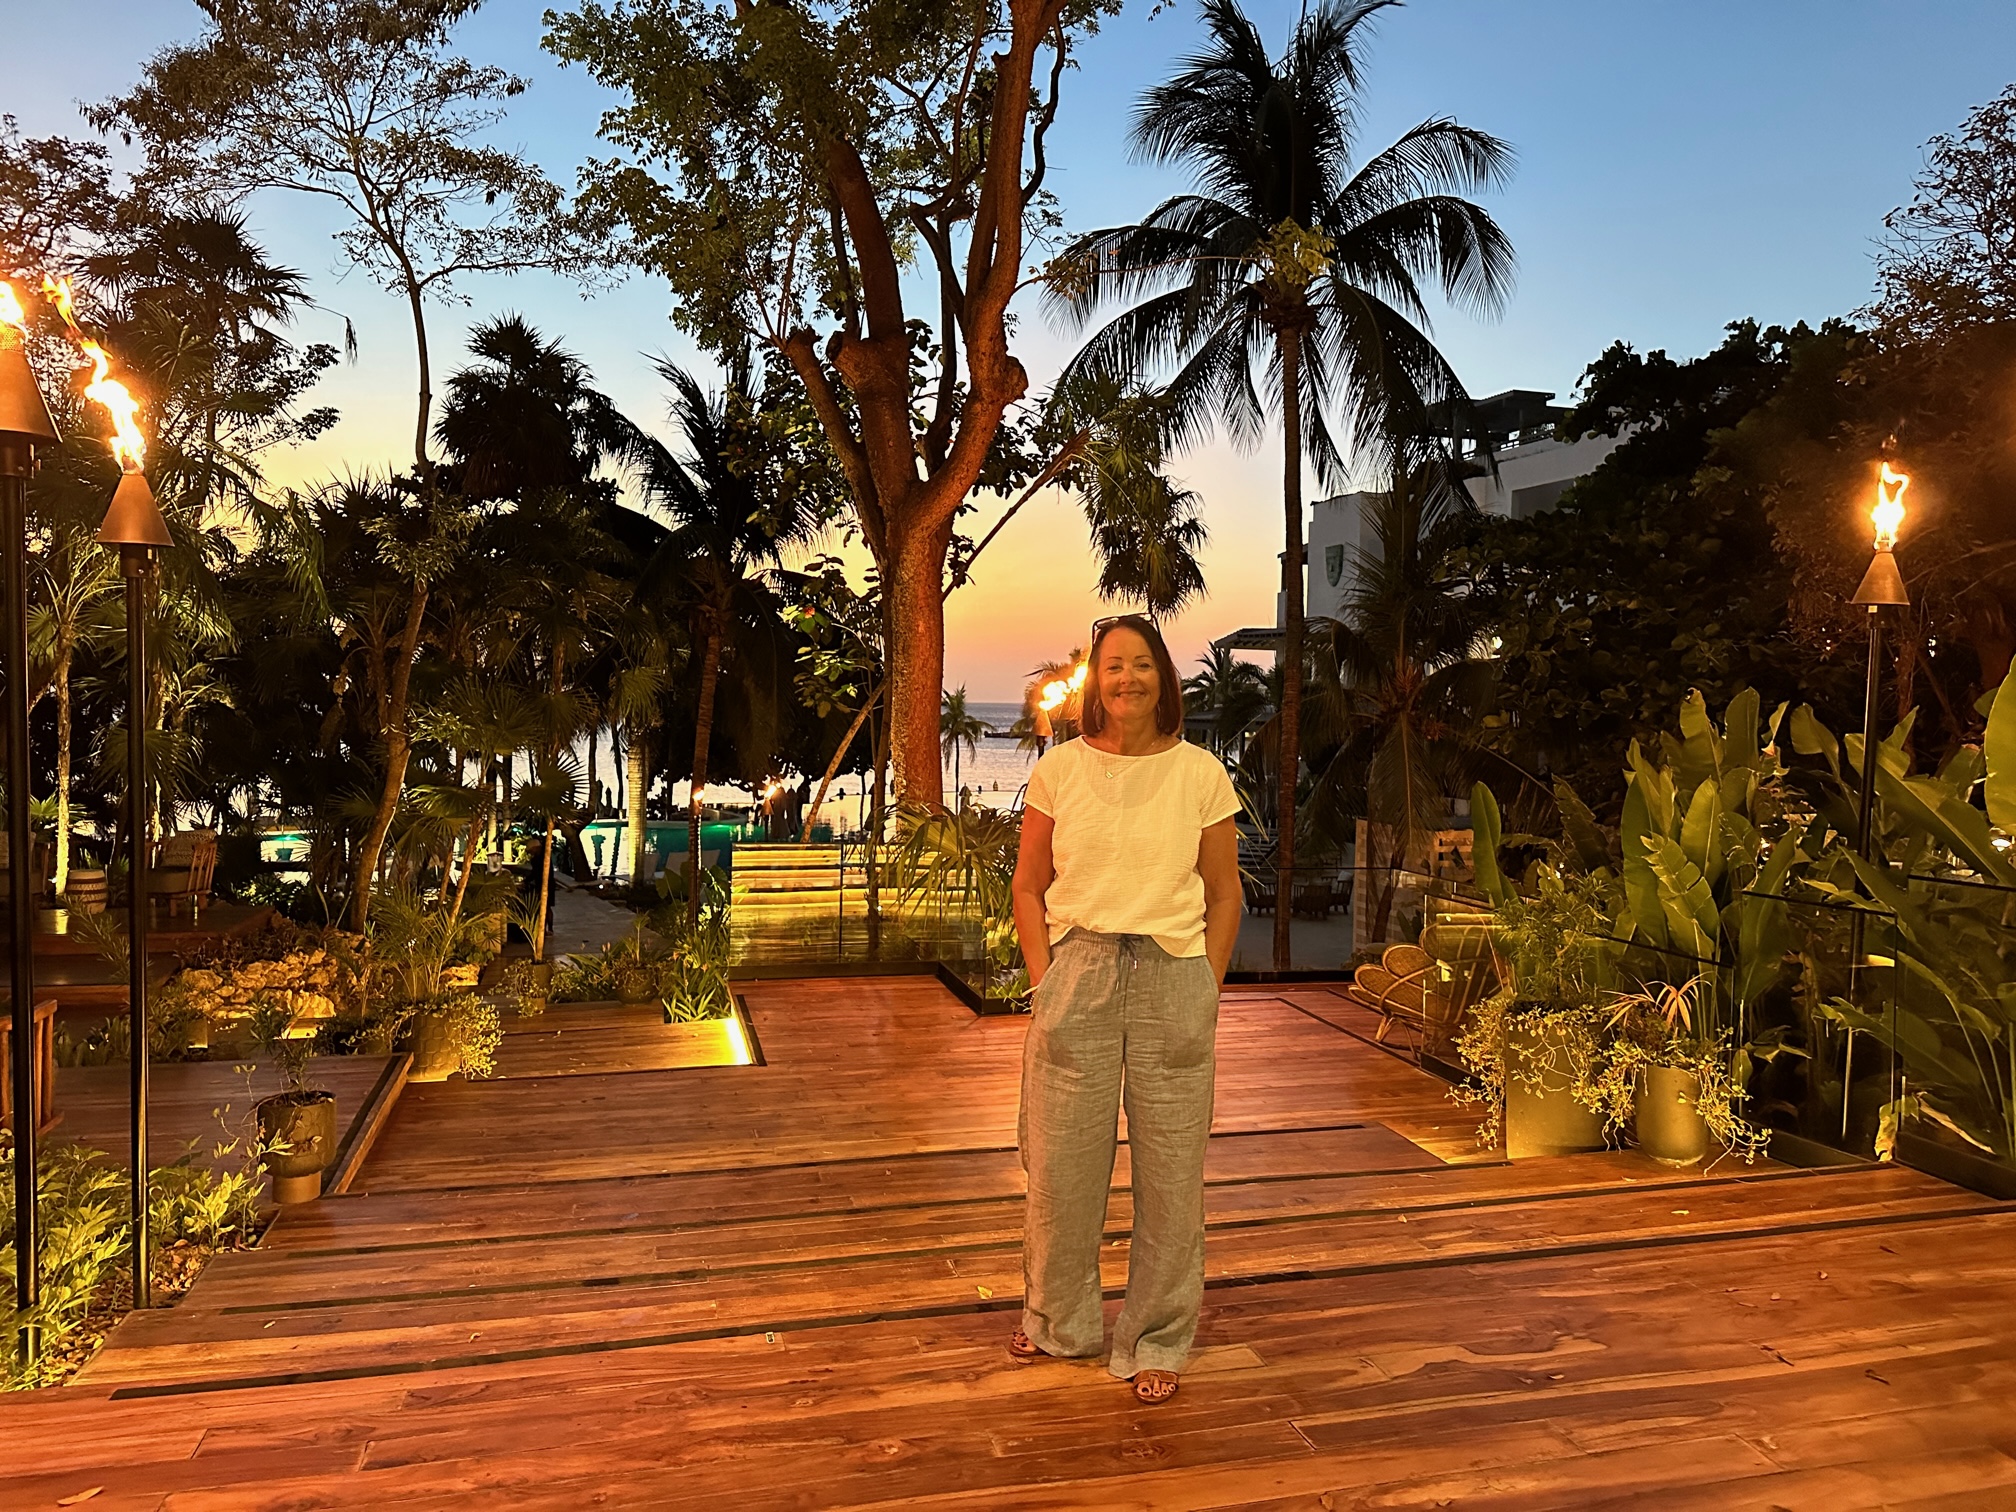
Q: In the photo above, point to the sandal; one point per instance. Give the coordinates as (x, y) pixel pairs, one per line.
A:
(1154, 1386)
(1020, 1347)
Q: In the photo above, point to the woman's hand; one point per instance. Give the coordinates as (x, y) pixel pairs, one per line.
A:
(1034, 872)
(1218, 865)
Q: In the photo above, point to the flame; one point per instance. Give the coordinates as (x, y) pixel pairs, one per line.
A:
(1054, 693)
(11, 313)
(128, 444)
(1889, 511)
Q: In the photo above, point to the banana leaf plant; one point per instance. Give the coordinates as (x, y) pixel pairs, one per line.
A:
(1940, 993)
(1707, 855)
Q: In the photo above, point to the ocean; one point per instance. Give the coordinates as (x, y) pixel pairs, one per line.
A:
(996, 771)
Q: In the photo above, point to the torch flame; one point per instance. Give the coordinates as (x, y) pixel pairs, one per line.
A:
(1054, 693)
(128, 444)
(13, 319)
(1889, 511)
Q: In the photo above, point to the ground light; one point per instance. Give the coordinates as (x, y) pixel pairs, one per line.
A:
(24, 426)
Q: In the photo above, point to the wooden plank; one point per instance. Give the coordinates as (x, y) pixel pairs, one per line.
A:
(366, 1126)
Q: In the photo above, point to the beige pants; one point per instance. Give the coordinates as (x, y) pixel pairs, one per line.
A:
(1117, 1018)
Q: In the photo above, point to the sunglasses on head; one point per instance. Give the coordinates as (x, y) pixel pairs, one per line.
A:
(1101, 626)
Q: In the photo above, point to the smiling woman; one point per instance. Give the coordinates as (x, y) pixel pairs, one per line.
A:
(1127, 903)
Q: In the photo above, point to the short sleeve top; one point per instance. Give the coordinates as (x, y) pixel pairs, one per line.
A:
(1127, 832)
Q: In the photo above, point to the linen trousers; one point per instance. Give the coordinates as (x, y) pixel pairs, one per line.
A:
(1117, 1019)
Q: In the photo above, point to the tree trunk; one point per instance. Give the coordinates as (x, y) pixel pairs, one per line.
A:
(62, 680)
(398, 748)
(914, 610)
(545, 894)
(636, 777)
(1290, 341)
(468, 862)
(833, 766)
(703, 735)
(594, 787)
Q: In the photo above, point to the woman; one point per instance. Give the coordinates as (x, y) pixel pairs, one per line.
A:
(1127, 903)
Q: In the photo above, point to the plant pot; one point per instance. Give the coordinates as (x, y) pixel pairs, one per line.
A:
(303, 1124)
(634, 985)
(436, 1056)
(1547, 1119)
(1666, 1110)
(538, 983)
(86, 892)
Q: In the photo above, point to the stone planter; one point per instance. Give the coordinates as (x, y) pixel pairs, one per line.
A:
(86, 891)
(1544, 1120)
(303, 1126)
(1665, 1108)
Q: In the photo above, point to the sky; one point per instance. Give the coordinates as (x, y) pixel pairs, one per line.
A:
(1682, 164)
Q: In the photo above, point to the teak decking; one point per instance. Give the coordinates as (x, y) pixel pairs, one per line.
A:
(789, 1286)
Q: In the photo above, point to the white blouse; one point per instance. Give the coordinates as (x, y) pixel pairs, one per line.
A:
(1127, 832)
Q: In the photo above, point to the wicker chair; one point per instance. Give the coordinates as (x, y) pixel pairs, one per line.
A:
(1397, 989)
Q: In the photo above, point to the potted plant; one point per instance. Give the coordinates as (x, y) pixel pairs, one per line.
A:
(297, 1125)
(1672, 1082)
(86, 890)
(1538, 1047)
(456, 1033)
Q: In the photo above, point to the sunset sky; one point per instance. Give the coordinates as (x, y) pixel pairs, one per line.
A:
(1681, 165)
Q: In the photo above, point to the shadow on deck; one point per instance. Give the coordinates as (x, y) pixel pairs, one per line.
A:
(789, 1285)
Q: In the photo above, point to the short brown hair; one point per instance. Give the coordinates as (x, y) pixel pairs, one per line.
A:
(1169, 703)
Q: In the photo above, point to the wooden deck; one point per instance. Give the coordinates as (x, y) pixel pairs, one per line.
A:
(788, 1285)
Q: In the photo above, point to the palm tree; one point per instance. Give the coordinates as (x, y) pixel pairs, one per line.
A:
(1400, 688)
(1233, 693)
(729, 528)
(957, 727)
(1292, 275)
(524, 417)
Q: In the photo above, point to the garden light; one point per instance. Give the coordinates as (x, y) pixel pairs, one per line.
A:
(1889, 511)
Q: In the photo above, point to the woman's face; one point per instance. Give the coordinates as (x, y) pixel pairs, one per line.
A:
(1129, 685)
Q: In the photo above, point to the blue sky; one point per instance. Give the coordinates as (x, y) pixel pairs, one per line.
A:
(1681, 165)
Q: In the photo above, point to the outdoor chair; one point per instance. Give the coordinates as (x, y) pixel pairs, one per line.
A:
(1397, 989)
(184, 864)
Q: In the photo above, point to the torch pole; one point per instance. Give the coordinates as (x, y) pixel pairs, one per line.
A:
(133, 566)
(15, 461)
(1865, 815)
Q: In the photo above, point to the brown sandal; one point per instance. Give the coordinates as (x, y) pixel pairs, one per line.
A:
(1020, 1347)
(1154, 1386)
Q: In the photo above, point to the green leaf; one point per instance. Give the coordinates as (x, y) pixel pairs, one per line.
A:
(1700, 831)
(1999, 747)
(1812, 738)
(1487, 826)
(1685, 898)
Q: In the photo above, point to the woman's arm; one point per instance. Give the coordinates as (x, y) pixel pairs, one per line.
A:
(1218, 865)
(1034, 872)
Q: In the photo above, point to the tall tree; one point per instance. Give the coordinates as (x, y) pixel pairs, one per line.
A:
(1231, 693)
(730, 525)
(1293, 276)
(814, 152)
(359, 103)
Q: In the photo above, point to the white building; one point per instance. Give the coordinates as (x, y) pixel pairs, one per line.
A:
(1533, 471)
